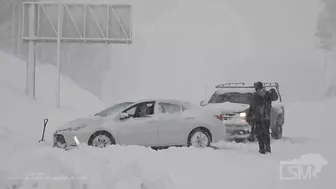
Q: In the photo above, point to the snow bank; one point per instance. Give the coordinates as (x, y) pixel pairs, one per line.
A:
(135, 167)
(103, 170)
(13, 75)
(23, 117)
(233, 165)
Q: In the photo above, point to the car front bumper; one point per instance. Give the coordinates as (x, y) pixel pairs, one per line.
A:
(64, 141)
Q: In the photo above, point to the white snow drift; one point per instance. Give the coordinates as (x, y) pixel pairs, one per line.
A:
(25, 164)
(22, 117)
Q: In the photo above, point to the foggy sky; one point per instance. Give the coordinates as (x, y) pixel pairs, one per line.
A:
(268, 40)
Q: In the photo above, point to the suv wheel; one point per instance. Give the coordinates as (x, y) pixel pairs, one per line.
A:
(277, 132)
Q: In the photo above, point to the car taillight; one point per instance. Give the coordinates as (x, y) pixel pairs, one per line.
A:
(219, 116)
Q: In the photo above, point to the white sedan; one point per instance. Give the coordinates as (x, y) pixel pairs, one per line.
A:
(152, 123)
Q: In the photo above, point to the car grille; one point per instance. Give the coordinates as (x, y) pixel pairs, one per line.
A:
(59, 141)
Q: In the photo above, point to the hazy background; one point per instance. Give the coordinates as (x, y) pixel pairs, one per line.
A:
(270, 40)
(183, 48)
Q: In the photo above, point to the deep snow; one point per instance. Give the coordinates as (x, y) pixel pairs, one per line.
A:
(21, 116)
(309, 128)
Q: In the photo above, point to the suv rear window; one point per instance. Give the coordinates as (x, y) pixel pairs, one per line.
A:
(234, 97)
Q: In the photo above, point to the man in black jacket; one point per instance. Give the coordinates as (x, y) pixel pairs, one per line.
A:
(259, 114)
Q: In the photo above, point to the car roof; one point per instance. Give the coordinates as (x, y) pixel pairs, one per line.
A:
(157, 99)
(118, 103)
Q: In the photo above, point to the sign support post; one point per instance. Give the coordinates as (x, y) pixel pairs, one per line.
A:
(85, 22)
(30, 72)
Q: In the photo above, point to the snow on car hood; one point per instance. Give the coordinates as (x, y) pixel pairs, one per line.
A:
(87, 121)
(227, 107)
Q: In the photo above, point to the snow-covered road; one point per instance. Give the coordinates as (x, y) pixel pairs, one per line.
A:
(26, 164)
(233, 165)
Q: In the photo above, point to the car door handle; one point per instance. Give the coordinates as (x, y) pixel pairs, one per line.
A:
(189, 118)
(152, 121)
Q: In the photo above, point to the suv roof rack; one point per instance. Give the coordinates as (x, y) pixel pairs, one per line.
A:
(229, 85)
(242, 85)
(276, 85)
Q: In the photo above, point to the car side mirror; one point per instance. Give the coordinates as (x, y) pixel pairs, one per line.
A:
(203, 103)
(123, 116)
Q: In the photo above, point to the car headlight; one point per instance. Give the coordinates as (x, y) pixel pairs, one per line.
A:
(242, 114)
(76, 140)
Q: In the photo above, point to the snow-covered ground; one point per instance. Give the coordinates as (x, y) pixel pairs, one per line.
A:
(27, 164)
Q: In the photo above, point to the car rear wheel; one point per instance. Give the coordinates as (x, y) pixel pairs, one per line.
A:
(199, 138)
(101, 139)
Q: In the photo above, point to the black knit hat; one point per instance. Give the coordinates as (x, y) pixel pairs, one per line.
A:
(258, 85)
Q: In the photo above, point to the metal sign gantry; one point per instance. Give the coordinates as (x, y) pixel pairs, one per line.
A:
(72, 22)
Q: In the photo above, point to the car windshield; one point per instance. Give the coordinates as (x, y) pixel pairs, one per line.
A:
(242, 98)
(113, 109)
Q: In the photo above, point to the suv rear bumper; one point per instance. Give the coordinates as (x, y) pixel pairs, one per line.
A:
(237, 131)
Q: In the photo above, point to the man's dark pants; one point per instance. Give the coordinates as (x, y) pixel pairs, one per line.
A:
(263, 135)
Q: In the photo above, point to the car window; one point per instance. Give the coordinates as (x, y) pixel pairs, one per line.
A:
(111, 110)
(188, 106)
(131, 111)
(233, 97)
(144, 109)
(170, 107)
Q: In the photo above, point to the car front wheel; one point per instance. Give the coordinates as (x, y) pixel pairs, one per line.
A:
(199, 138)
(101, 139)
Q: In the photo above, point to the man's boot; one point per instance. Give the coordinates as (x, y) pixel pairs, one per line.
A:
(268, 141)
(262, 151)
(268, 151)
(268, 146)
(261, 145)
